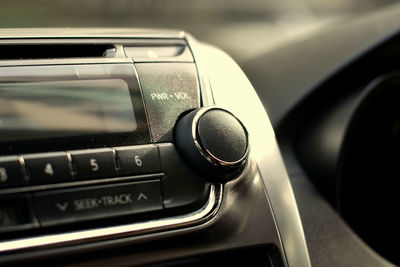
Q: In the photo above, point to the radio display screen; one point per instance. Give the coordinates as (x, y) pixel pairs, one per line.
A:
(37, 110)
(63, 107)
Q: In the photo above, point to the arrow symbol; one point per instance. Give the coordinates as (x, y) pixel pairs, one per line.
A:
(142, 196)
(48, 169)
(62, 207)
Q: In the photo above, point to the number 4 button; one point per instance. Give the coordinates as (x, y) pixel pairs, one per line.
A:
(48, 167)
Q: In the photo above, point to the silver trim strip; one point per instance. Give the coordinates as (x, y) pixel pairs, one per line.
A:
(23, 168)
(86, 33)
(99, 181)
(52, 240)
(207, 98)
(71, 168)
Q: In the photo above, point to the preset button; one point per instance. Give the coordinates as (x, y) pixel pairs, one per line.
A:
(48, 167)
(138, 159)
(10, 172)
(96, 163)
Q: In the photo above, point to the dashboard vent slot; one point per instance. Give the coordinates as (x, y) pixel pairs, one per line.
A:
(44, 51)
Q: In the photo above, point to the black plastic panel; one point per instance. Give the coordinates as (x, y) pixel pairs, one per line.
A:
(29, 51)
(48, 168)
(312, 135)
(138, 159)
(16, 214)
(92, 75)
(183, 189)
(169, 89)
(96, 163)
(98, 202)
(244, 221)
(11, 173)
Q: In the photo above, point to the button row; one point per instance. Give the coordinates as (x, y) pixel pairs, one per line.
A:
(45, 168)
(79, 204)
(179, 191)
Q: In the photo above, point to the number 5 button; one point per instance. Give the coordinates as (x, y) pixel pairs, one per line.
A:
(138, 159)
(94, 163)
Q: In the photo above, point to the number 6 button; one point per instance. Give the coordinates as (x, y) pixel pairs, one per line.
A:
(138, 159)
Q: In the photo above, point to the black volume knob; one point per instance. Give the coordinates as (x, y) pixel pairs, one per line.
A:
(213, 141)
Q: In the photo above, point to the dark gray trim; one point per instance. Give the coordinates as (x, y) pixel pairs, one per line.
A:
(312, 60)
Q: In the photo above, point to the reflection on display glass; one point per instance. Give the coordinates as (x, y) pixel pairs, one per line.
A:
(35, 110)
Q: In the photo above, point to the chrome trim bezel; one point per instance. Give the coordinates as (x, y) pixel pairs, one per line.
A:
(206, 95)
(200, 216)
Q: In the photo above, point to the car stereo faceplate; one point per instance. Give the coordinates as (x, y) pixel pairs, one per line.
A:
(112, 136)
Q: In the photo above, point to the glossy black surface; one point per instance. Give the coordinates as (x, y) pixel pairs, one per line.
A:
(169, 89)
(98, 119)
(183, 189)
(137, 159)
(48, 168)
(50, 109)
(98, 163)
(30, 51)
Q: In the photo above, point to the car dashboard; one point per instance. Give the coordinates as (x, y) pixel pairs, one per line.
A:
(137, 147)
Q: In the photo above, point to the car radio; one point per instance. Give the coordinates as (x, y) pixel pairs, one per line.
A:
(108, 135)
(80, 140)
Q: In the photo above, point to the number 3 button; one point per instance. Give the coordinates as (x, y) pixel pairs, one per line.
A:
(138, 159)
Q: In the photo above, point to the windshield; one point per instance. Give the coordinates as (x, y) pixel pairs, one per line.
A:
(245, 29)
